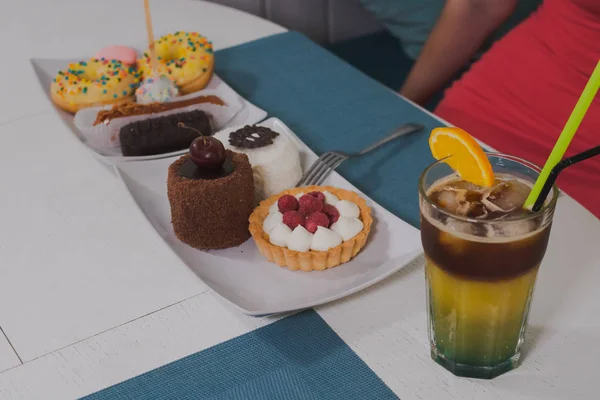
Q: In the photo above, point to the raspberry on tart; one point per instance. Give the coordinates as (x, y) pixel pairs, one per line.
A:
(315, 236)
(293, 218)
(287, 203)
(310, 204)
(316, 219)
(332, 213)
(319, 195)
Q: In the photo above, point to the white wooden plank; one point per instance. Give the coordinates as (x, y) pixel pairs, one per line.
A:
(8, 357)
(73, 33)
(386, 326)
(129, 350)
(77, 256)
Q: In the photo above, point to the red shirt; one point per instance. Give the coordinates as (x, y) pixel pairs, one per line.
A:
(518, 97)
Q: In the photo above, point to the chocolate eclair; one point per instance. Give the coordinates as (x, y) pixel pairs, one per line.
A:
(163, 134)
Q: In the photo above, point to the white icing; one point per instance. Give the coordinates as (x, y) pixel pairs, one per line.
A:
(274, 208)
(272, 220)
(280, 235)
(330, 198)
(299, 195)
(325, 239)
(276, 167)
(156, 89)
(347, 209)
(347, 227)
(300, 239)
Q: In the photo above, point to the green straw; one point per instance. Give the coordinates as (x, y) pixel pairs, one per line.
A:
(566, 135)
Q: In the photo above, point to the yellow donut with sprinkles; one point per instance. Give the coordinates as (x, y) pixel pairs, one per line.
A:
(93, 83)
(185, 57)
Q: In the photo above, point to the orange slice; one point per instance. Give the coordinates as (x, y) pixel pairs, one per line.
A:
(468, 158)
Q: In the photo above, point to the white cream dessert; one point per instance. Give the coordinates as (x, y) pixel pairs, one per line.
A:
(274, 157)
(316, 221)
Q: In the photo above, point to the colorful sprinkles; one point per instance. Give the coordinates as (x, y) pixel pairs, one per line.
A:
(183, 56)
(100, 78)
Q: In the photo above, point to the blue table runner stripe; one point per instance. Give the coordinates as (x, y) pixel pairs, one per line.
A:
(298, 357)
(331, 106)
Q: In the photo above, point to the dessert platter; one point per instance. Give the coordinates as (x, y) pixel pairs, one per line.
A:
(125, 103)
(230, 209)
(219, 187)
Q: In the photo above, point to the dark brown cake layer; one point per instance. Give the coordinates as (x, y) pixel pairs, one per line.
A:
(191, 171)
(163, 135)
(212, 214)
(483, 261)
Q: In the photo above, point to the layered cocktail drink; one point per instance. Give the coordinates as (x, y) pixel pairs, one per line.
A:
(483, 252)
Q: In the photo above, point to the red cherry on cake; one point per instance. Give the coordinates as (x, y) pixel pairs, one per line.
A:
(207, 152)
(310, 204)
(320, 196)
(292, 219)
(314, 220)
(287, 202)
(332, 213)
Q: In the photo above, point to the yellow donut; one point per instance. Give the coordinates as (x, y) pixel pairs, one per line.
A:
(185, 57)
(93, 83)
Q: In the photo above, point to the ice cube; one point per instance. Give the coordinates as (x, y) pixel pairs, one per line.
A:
(455, 201)
(449, 199)
(460, 227)
(460, 184)
(508, 195)
(513, 228)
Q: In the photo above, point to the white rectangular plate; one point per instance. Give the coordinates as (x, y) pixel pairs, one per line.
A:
(46, 69)
(243, 277)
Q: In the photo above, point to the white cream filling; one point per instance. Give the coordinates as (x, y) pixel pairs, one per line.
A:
(280, 235)
(274, 208)
(300, 239)
(347, 227)
(330, 198)
(271, 221)
(325, 239)
(347, 209)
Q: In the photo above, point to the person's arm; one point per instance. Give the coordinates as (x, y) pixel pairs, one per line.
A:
(460, 31)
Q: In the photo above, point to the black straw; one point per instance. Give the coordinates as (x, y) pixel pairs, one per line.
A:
(557, 170)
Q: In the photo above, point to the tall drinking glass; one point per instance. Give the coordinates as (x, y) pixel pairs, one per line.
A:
(482, 252)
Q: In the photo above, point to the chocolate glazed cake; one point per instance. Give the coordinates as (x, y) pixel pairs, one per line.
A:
(163, 134)
(211, 192)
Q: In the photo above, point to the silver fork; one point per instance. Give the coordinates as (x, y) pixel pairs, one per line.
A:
(330, 160)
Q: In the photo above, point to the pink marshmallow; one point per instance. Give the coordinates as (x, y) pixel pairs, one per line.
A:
(125, 54)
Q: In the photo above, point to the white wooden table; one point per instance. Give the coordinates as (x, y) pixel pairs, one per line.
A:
(90, 296)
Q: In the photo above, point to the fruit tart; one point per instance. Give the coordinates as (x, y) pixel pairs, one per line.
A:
(311, 228)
